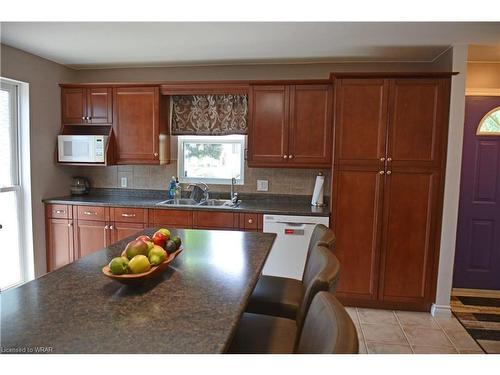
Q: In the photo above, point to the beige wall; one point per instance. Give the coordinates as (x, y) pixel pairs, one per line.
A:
(483, 76)
(258, 71)
(47, 179)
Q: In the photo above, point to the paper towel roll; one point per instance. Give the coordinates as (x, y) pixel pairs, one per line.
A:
(317, 197)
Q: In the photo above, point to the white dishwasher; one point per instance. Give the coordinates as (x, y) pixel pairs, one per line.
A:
(288, 254)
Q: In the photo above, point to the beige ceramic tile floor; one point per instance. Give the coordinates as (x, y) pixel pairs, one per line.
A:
(403, 332)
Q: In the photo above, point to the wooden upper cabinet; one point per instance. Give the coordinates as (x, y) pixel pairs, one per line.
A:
(100, 105)
(74, 105)
(361, 120)
(310, 140)
(137, 125)
(82, 106)
(418, 109)
(290, 125)
(268, 125)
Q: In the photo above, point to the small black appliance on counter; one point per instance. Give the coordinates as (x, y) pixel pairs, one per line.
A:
(80, 186)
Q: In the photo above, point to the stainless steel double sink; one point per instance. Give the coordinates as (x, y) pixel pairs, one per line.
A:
(221, 203)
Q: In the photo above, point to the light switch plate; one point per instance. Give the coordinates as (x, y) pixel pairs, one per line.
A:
(123, 182)
(262, 185)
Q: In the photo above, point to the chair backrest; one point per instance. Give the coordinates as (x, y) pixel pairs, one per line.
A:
(328, 328)
(321, 235)
(321, 274)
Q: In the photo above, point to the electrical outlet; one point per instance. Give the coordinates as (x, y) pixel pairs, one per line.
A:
(262, 185)
(123, 182)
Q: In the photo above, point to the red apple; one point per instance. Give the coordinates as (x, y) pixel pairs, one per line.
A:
(159, 239)
(144, 238)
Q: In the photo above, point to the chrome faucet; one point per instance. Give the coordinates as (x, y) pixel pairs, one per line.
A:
(204, 189)
(234, 196)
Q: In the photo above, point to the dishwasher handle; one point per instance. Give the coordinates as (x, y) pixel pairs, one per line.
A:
(293, 224)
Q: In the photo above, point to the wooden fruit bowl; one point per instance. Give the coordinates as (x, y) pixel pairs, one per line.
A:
(139, 278)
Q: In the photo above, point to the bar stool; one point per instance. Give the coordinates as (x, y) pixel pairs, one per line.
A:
(281, 296)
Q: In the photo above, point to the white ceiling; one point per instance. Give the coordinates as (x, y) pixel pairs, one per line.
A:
(90, 45)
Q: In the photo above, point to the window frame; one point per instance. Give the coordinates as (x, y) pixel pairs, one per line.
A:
(480, 133)
(21, 175)
(209, 139)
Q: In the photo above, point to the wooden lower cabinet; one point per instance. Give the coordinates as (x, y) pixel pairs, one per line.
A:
(91, 236)
(171, 218)
(121, 230)
(76, 231)
(409, 243)
(215, 220)
(357, 223)
(60, 249)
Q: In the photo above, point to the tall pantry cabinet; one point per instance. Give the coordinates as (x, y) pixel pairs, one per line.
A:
(388, 177)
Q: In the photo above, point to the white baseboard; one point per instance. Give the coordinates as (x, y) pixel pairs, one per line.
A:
(441, 310)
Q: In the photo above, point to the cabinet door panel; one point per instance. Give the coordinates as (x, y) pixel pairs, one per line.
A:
(99, 105)
(311, 124)
(121, 230)
(360, 120)
(409, 234)
(90, 236)
(172, 218)
(268, 125)
(357, 225)
(136, 125)
(215, 220)
(60, 243)
(73, 105)
(415, 129)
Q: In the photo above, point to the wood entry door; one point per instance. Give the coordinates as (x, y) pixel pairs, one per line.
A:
(477, 257)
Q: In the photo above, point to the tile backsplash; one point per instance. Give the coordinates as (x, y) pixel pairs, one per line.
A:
(281, 180)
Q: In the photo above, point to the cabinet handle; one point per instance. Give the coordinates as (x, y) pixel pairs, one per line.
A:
(250, 221)
(89, 213)
(155, 154)
(389, 159)
(70, 224)
(285, 156)
(128, 215)
(83, 118)
(382, 159)
(106, 227)
(389, 172)
(290, 156)
(381, 172)
(111, 227)
(60, 212)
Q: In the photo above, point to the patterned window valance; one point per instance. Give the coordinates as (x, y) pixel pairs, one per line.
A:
(209, 114)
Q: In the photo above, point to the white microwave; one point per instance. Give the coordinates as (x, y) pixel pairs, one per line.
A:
(82, 148)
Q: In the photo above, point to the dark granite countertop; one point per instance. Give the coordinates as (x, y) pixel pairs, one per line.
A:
(194, 307)
(263, 203)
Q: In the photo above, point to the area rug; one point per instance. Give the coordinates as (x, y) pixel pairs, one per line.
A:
(480, 316)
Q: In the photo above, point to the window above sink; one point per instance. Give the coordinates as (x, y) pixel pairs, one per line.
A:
(211, 159)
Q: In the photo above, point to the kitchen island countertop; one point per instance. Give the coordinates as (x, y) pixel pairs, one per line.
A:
(194, 307)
